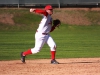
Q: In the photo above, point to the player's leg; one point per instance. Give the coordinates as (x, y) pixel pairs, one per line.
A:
(39, 42)
(52, 46)
(38, 45)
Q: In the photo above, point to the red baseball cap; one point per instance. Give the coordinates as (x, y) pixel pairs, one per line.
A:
(48, 7)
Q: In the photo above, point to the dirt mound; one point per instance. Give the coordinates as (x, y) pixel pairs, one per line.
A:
(7, 19)
(73, 16)
(73, 66)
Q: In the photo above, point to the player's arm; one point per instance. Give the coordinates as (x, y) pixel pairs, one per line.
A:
(53, 28)
(39, 11)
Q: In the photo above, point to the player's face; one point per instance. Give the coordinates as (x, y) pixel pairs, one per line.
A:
(50, 11)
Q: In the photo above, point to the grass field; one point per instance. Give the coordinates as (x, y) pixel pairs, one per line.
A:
(72, 41)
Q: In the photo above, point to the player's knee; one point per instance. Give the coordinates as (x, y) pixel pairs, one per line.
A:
(35, 50)
(53, 48)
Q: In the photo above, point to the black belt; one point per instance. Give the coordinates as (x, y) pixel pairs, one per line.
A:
(45, 33)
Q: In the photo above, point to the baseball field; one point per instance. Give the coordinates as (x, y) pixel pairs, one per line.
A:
(77, 39)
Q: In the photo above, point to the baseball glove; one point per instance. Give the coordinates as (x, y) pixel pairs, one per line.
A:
(56, 23)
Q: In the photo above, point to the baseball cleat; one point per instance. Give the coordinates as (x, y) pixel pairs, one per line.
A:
(54, 62)
(22, 57)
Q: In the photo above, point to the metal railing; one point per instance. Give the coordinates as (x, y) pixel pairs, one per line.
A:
(42, 2)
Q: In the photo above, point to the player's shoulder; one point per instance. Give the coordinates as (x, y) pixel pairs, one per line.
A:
(46, 13)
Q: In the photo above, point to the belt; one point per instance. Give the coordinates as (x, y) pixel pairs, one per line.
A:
(43, 33)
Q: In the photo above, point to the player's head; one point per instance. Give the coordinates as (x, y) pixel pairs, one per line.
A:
(49, 9)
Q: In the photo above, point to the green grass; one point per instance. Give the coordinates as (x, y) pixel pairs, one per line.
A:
(72, 42)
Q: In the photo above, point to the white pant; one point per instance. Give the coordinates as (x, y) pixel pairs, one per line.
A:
(40, 40)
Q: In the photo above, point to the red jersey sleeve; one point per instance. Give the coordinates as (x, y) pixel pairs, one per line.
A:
(40, 11)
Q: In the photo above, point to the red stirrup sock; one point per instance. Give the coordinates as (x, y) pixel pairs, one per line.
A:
(27, 52)
(53, 53)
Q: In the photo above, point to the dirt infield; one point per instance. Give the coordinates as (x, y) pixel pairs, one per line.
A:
(72, 66)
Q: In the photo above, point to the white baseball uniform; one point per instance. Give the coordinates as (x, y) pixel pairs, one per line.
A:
(42, 35)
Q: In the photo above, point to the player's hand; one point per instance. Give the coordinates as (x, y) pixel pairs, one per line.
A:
(32, 10)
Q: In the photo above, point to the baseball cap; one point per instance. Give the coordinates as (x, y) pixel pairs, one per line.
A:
(48, 7)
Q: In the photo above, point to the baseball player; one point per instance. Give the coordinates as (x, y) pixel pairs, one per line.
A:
(42, 35)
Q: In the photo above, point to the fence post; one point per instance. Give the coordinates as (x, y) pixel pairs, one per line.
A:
(59, 3)
(18, 3)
